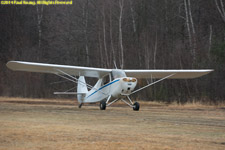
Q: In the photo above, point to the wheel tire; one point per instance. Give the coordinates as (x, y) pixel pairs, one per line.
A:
(136, 106)
(81, 104)
(102, 105)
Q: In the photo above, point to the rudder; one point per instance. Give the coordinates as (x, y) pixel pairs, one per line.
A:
(81, 89)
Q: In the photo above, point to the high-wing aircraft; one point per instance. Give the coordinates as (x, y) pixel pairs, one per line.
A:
(112, 84)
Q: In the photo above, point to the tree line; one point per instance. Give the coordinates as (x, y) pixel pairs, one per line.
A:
(133, 34)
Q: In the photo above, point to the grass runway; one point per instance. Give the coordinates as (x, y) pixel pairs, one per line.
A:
(40, 124)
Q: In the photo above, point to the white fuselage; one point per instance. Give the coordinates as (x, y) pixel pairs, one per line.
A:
(118, 88)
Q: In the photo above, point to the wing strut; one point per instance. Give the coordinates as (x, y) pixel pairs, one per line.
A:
(75, 80)
(153, 83)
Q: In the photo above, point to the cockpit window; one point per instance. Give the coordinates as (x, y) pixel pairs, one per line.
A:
(118, 73)
(105, 80)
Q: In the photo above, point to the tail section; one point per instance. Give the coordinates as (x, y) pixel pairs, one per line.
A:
(81, 89)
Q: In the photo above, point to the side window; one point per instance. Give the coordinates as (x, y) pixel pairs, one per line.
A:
(106, 79)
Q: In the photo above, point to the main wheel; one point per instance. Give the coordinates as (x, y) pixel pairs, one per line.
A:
(80, 105)
(102, 105)
(136, 106)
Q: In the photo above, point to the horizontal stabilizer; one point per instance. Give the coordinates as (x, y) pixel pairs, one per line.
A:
(66, 93)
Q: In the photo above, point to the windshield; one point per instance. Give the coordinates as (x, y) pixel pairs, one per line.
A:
(118, 73)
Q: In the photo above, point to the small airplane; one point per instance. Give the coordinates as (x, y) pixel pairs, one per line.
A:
(112, 84)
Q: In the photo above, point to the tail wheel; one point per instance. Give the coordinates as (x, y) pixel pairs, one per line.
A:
(102, 105)
(136, 106)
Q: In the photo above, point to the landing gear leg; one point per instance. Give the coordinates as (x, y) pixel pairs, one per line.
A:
(135, 105)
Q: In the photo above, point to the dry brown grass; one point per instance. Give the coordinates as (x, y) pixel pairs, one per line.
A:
(58, 124)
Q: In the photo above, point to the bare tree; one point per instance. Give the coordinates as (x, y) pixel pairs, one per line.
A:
(111, 36)
(155, 49)
(104, 36)
(220, 9)
(188, 22)
(147, 52)
(39, 19)
(191, 30)
(132, 14)
(210, 40)
(85, 22)
(121, 2)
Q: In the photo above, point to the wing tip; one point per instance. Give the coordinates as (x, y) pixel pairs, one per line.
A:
(9, 64)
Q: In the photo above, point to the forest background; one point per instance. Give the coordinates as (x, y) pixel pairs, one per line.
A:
(136, 34)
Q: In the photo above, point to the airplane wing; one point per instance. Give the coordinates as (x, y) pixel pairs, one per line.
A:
(56, 69)
(100, 72)
(158, 74)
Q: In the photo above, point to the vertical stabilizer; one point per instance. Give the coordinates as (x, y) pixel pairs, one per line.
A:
(81, 89)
